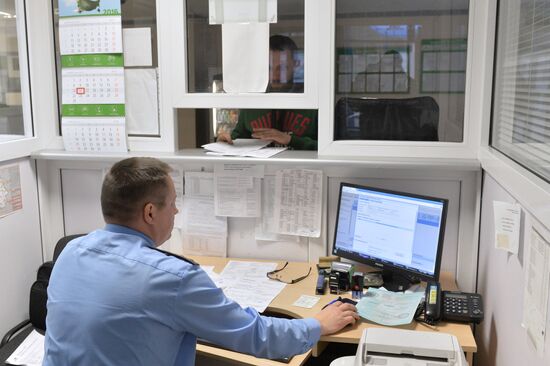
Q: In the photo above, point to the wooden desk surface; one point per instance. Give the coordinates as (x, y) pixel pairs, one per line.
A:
(282, 304)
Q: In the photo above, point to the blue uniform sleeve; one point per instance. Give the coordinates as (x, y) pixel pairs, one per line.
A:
(202, 309)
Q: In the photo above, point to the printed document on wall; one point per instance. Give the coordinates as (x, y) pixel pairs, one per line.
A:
(535, 298)
(507, 224)
(237, 190)
(10, 190)
(298, 202)
(177, 178)
(199, 184)
(204, 233)
(266, 226)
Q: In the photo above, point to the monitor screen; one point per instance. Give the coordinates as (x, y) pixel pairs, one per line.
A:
(395, 231)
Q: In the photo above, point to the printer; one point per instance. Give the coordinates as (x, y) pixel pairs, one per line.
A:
(398, 347)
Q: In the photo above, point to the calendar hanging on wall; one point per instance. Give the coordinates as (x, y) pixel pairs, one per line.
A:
(93, 109)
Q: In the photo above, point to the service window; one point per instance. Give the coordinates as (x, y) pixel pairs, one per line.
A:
(268, 40)
(400, 70)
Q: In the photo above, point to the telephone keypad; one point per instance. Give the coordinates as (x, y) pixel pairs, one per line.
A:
(460, 306)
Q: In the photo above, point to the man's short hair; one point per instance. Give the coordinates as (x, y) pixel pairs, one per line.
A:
(130, 184)
(281, 43)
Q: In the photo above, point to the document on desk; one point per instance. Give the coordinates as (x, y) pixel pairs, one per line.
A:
(298, 202)
(246, 283)
(237, 189)
(388, 308)
(30, 352)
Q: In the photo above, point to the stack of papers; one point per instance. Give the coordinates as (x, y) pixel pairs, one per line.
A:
(243, 147)
(246, 283)
(30, 352)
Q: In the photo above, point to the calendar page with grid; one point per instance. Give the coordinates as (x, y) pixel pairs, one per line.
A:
(94, 85)
(107, 134)
(84, 35)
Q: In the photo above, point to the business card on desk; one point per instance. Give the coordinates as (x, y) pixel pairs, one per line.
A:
(306, 301)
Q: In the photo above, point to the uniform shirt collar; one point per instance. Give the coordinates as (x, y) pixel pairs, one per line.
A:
(126, 230)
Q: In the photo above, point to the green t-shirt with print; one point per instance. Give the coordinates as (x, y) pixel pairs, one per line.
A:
(301, 124)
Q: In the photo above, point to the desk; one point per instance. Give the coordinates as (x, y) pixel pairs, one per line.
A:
(282, 304)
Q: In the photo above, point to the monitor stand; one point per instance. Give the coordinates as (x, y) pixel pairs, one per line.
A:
(397, 281)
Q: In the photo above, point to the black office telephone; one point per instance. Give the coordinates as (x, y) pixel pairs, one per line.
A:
(451, 305)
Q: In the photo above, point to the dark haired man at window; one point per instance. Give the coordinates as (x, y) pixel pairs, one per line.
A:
(294, 128)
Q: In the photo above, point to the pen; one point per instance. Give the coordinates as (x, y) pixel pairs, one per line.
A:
(339, 298)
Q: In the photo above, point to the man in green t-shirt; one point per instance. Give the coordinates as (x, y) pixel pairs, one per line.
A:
(293, 128)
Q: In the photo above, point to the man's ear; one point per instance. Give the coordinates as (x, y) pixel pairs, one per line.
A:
(148, 213)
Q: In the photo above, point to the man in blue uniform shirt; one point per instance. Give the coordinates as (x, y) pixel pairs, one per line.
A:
(114, 299)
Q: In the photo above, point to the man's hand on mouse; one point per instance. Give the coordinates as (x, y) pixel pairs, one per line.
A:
(336, 316)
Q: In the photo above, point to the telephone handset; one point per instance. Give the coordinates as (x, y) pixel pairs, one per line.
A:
(451, 305)
(432, 313)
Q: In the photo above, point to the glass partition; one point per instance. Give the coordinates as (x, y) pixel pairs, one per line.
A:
(521, 95)
(12, 121)
(286, 60)
(400, 70)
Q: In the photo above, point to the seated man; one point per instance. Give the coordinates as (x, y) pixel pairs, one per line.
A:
(293, 128)
(114, 299)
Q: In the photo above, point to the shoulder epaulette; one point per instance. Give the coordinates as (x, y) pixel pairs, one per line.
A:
(190, 261)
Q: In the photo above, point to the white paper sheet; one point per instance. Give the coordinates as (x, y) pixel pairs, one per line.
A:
(30, 352)
(535, 296)
(507, 225)
(93, 85)
(204, 233)
(306, 301)
(245, 61)
(265, 153)
(247, 284)
(298, 202)
(98, 134)
(142, 111)
(137, 46)
(199, 184)
(177, 178)
(266, 225)
(238, 148)
(233, 197)
(242, 11)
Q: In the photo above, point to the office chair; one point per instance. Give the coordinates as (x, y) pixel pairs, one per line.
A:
(37, 305)
(411, 119)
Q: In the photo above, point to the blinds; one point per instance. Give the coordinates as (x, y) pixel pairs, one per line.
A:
(521, 106)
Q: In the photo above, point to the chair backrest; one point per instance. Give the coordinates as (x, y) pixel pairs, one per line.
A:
(62, 243)
(39, 294)
(411, 119)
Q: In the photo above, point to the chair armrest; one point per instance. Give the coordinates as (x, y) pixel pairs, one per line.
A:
(10, 333)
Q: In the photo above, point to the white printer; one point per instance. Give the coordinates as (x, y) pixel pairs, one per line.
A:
(398, 347)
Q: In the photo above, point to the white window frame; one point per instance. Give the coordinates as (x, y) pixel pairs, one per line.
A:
(412, 149)
(530, 191)
(26, 34)
(171, 15)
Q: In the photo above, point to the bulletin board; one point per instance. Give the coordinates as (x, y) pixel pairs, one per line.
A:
(373, 70)
(443, 65)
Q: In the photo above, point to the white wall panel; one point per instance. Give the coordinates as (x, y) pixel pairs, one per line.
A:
(21, 250)
(501, 339)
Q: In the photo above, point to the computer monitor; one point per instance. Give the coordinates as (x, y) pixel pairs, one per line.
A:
(400, 233)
